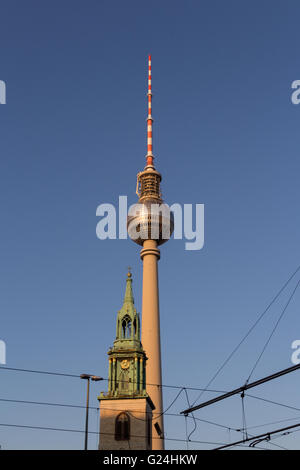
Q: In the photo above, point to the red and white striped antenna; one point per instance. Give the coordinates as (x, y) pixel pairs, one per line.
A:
(149, 155)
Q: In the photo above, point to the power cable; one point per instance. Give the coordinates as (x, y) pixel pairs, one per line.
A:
(274, 402)
(273, 331)
(61, 374)
(266, 435)
(270, 423)
(96, 408)
(247, 334)
(193, 417)
(97, 432)
(243, 388)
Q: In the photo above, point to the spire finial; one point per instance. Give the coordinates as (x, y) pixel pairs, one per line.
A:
(149, 156)
(128, 298)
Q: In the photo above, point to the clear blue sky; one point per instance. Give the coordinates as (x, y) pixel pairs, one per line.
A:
(73, 135)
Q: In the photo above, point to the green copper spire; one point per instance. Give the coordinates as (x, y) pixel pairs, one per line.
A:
(128, 293)
(127, 359)
(128, 321)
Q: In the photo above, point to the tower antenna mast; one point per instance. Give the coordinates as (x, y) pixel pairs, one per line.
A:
(149, 156)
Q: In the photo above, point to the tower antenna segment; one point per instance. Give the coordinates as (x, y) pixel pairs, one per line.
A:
(149, 156)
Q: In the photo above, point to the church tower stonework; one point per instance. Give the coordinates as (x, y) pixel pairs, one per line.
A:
(126, 409)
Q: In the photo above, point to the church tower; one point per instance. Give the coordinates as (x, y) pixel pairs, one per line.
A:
(126, 410)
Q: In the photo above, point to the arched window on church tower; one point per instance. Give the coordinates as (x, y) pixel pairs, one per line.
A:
(126, 327)
(122, 427)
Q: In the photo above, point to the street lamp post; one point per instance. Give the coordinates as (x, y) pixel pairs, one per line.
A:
(95, 378)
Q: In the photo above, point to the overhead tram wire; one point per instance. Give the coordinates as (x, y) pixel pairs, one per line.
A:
(61, 374)
(269, 441)
(270, 423)
(45, 372)
(242, 389)
(247, 334)
(273, 331)
(160, 414)
(171, 404)
(193, 417)
(274, 402)
(44, 428)
(252, 438)
(113, 409)
(68, 405)
(133, 416)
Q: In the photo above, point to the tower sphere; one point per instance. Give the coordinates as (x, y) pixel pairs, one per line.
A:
(150, 219)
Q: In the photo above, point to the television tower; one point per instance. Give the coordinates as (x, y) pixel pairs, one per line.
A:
(150, 224)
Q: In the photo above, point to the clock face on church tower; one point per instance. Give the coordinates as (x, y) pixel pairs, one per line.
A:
(125, 364)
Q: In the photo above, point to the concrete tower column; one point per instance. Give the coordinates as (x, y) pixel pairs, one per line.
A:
(151, 336)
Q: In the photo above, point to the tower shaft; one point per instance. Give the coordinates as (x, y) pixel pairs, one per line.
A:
(151, 337)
